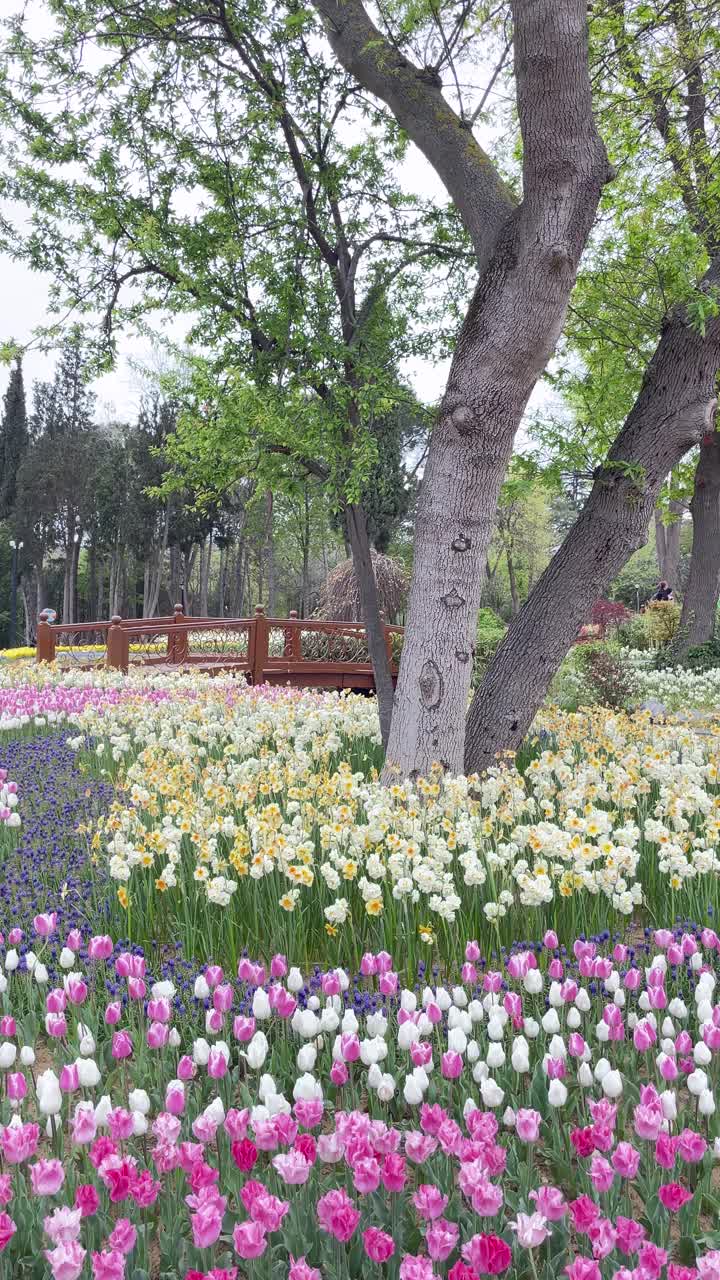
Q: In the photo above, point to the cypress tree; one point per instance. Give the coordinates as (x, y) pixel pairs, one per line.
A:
(13, 440)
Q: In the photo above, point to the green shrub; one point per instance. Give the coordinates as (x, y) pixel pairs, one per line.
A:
(703, 657)
(606, 676)
(633, 634)
(661, 619)
(490, 631)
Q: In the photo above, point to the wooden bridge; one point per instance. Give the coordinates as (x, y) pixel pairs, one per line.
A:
(305, 653)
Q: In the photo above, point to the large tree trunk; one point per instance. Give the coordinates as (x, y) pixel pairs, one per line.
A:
(374, 628)
(205, 558)
(269, 553)
(673, 411)
(667, 543)
(697, 621)
(510, 331)
(514, 594)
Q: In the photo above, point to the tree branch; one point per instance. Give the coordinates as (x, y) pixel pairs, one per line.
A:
(483, 200)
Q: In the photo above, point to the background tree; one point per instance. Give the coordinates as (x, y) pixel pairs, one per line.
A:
(13, 440)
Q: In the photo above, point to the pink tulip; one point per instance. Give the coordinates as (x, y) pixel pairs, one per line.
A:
(451, 1065)
(122, 1045)
(45, 924)
(378, 1245)
(213, 975)
(249, 1239)
(77, 990)
(16, 1086)
(339, 1074)
(100, 947)
(46, 1177)
(66, 1260)
(217, 1064)
(159, 1010)
(113, 1013)
(157, 1035)
(527, 1124)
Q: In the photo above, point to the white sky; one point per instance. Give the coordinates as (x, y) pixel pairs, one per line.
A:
(25, 296)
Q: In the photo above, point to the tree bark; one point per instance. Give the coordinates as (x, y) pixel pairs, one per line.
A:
(674, 410)
(205, 559)
(514, 596)
(510, 331)
(699, 611)
(667, 544)
(269, 553)
(374, 628)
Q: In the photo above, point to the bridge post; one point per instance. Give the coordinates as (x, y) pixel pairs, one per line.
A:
(178, 641)
(118, 646)
(45, 643)
(261, 646)
(293, 640)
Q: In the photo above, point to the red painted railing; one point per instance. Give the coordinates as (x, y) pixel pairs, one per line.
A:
(299, 652)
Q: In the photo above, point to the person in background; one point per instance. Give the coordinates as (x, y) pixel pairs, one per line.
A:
(664, 592)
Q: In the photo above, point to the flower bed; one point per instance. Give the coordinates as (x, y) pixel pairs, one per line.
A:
(554, 1112)
(263, 812)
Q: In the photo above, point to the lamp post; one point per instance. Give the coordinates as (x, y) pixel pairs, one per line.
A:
(16, 547)
(637, 597)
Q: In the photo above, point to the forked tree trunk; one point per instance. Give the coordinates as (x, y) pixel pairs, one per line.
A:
(697, 621)
(370, 604)
(674, 409)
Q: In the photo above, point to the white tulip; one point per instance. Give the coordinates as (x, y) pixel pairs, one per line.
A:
(412, 1093)
(602, 1066)
(386, 1088)
(140, 1124)
(696, 1082)
(573, 1019)
(295, 981)
(612, 1084)
(201, 989)
(201, 1052)
(491, 1093)
(495, 1056)
(374, 1076)
(307, 1087)
(67, 958)
(12, 960)
(701, 1054)
(307, 1056)
(376, 1024)
(88, 1073)
(257, 1051)
(585, 1075)
(164, 990)
(8, 1054)
(261, 1005)
(533, 982)
(48, 1094)
(457, 1041)
(550, 1021)
(706, 1103)
(557, 1093)
(138, 1100)
(668, 1100)
(408, 1001)
(27, 1056)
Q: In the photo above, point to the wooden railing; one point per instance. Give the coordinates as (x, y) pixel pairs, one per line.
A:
(300, 652)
